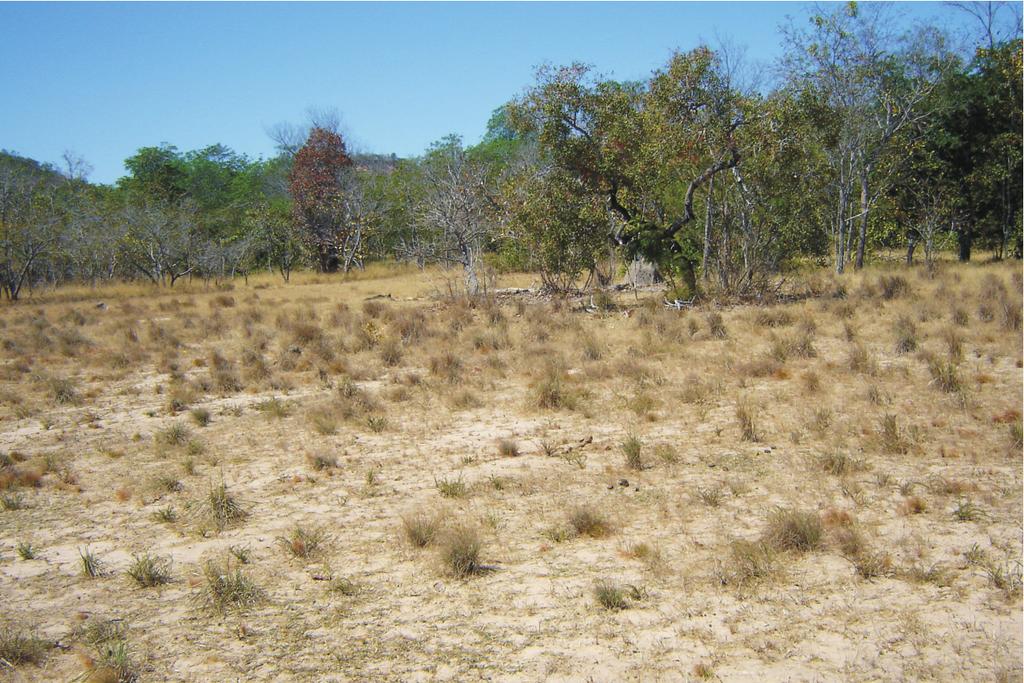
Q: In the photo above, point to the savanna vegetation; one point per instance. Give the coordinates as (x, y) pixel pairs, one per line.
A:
(676, 379)
(867, 139)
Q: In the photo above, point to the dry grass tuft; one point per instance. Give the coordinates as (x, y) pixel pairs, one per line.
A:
(149, 570)
(793, 530)
(227, 587)
(460, 548)
(421, 528)
(586, 520)
(21, 647)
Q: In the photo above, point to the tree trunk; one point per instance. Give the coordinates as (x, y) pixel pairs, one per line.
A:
(964, 238)
(912, 239)
(862, 238)
(840, 231)
(705, 257)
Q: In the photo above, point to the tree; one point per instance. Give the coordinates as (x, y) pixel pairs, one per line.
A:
(868, 85)
(160, 241)
(645, 148)
(316, 187)
(563, 228)
(453, 209)
(155, 173)
(276, 238)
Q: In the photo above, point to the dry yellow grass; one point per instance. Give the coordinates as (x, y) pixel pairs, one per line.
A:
(320, 408)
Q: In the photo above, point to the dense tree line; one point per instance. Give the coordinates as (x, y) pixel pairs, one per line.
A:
(867, 139)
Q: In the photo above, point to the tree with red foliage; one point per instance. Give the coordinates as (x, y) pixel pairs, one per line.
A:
(316, 186)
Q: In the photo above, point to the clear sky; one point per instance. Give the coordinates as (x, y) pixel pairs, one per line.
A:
(106, 79)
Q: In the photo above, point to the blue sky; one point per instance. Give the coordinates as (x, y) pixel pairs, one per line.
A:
(106, 79)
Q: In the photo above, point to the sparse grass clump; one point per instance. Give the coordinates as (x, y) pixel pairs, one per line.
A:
(175, 435)
(26, 550)
(749, 561)
(149, 570)
(228, 587)
(610, 595)
(860, 359)
(716, 325)
(91, 565)
(710, 496)
(273, 407)
(891, 436)
(1007, 577)
(893, 286)
(377, 423)
(793, 530)
(632, 449)
(585, 520)
(906, 334)
(304, 542)
(21, 647)
(448, 366)
(551, 393)
(746, 416)
(913, 505)
(838, 464)
(322, 461)
(421, 528)
(966, 511)
(460, 548)
(451, 488)
(218, 509)
(945, 375)
(12, 501)
(201, 416)
(323, 421)
(64, 391)
(508, 448)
